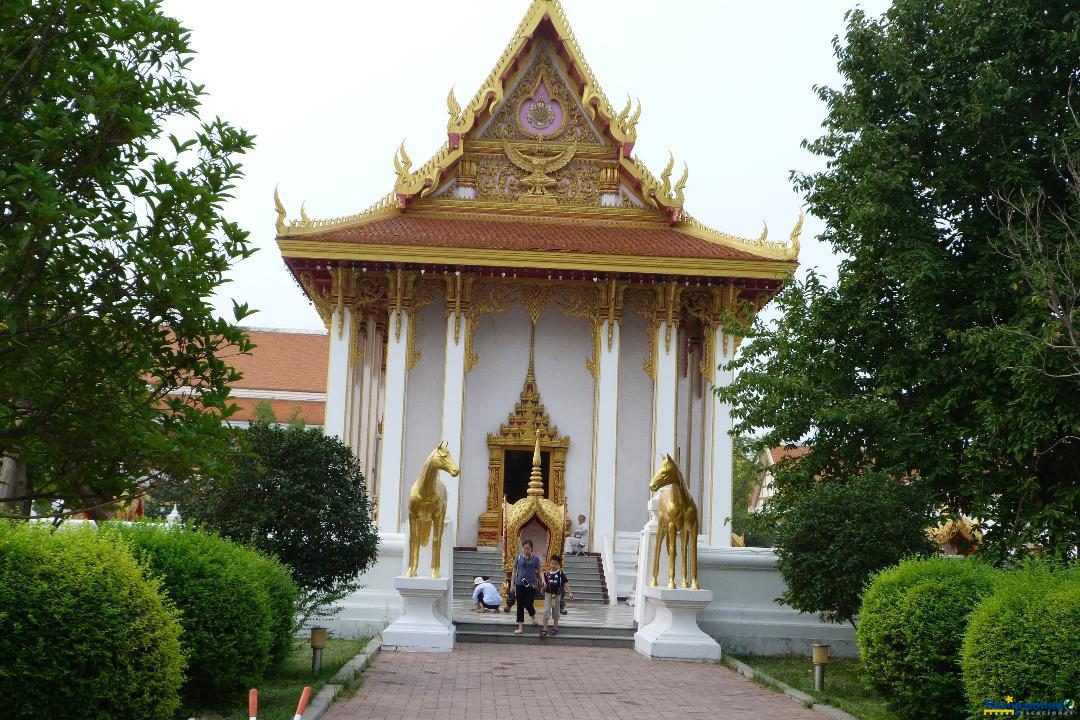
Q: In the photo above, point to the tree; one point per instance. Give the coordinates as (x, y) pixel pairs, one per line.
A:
(748, 472)
(894, 371)
(299, 495)
(111, 371)
(833, 536)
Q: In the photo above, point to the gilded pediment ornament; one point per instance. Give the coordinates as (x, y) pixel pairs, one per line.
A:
(539, 165)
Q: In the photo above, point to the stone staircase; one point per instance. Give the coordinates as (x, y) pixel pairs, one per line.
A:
(590, 621)
(586, 574)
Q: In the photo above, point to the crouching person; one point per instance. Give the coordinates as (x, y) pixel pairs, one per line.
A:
(485, 596)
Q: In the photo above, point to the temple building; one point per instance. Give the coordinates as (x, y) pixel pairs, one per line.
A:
(534, 278)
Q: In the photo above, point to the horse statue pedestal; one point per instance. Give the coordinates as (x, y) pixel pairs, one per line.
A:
(426, 625)
(422, 627)
(673, 633)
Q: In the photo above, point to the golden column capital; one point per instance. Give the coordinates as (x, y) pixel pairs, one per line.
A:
(458, 299)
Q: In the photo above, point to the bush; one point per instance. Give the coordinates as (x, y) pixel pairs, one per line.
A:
(226, 613)
(84, 631)
(283, 594)
(1024, 640)
(911, 627)
(832, 536)
(299, 496)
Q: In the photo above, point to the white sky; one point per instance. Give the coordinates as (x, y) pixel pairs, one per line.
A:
(330, 89)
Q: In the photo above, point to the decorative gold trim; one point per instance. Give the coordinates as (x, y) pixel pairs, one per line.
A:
(669, 307)
(319, 296)
(425, 293)
(760, 246)
(458, 299)
(548, 260)
(551, 514)
(644, 301)
(584, 302)
(535, 299)
(487, 298)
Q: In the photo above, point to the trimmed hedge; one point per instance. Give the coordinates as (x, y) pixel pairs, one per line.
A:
(910, 630)
(82, 631)
(1024, 640)
(226, 612)
(284, 595)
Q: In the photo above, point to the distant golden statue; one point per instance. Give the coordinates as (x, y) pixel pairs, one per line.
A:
(677, 522)
(427, 509)
(539, 166)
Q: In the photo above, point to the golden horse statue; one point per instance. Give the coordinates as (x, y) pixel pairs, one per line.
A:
(427, 509)
(677, 522)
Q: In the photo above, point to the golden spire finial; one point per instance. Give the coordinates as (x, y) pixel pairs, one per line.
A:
(764, 232)
(536, 477)
(453, 106)
(280, 210)
(679, 186)
(665, 177)
(793, 251)
(530, 376)
(402, 162)
(303, 215)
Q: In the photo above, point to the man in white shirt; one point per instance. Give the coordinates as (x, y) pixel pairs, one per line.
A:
(580, 539)
(485, 597)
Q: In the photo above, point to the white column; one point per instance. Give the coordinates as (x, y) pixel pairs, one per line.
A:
(337, 374)
(372, 357)
(452, 409)
(605, 439)
(721, 448)
(665, 404)
(390, 461)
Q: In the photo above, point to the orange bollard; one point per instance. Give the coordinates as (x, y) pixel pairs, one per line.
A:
(302, 706)
(253, 704)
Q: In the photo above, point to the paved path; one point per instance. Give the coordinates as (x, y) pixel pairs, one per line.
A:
(497, 681)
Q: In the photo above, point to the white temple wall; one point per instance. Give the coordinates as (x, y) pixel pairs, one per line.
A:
(568, 392)
(491, 389)
(494, 385)
(423, 409)
(635, 427)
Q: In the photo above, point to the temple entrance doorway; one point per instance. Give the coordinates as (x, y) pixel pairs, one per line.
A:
(517, 467)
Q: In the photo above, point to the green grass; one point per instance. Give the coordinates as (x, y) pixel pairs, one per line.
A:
(280, 690)
(843, 687)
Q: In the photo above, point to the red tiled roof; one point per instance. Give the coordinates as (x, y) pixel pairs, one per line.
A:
(283, 361)
(783, 452)
(658, 241)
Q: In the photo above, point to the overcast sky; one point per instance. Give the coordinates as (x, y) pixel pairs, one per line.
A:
(330, 88)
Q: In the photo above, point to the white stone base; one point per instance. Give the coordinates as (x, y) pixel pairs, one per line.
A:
(673, 633)
(422, 627)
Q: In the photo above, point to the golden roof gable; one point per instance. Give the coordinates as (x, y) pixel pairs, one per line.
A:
(663, 197)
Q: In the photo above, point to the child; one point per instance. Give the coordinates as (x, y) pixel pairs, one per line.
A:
(555, 585)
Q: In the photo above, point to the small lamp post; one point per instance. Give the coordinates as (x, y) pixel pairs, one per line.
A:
(820, 658)
(318, 642)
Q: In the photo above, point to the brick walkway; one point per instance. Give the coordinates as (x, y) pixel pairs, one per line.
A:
(498, 681)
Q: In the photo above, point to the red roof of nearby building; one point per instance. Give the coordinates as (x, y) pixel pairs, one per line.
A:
(292, 361)
(523, 234)
(786, 452)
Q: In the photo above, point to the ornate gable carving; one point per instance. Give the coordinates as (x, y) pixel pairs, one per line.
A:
(541, 107)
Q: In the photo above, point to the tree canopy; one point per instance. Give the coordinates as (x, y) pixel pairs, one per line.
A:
(927, 360)
(300, 496)
(112, 369)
